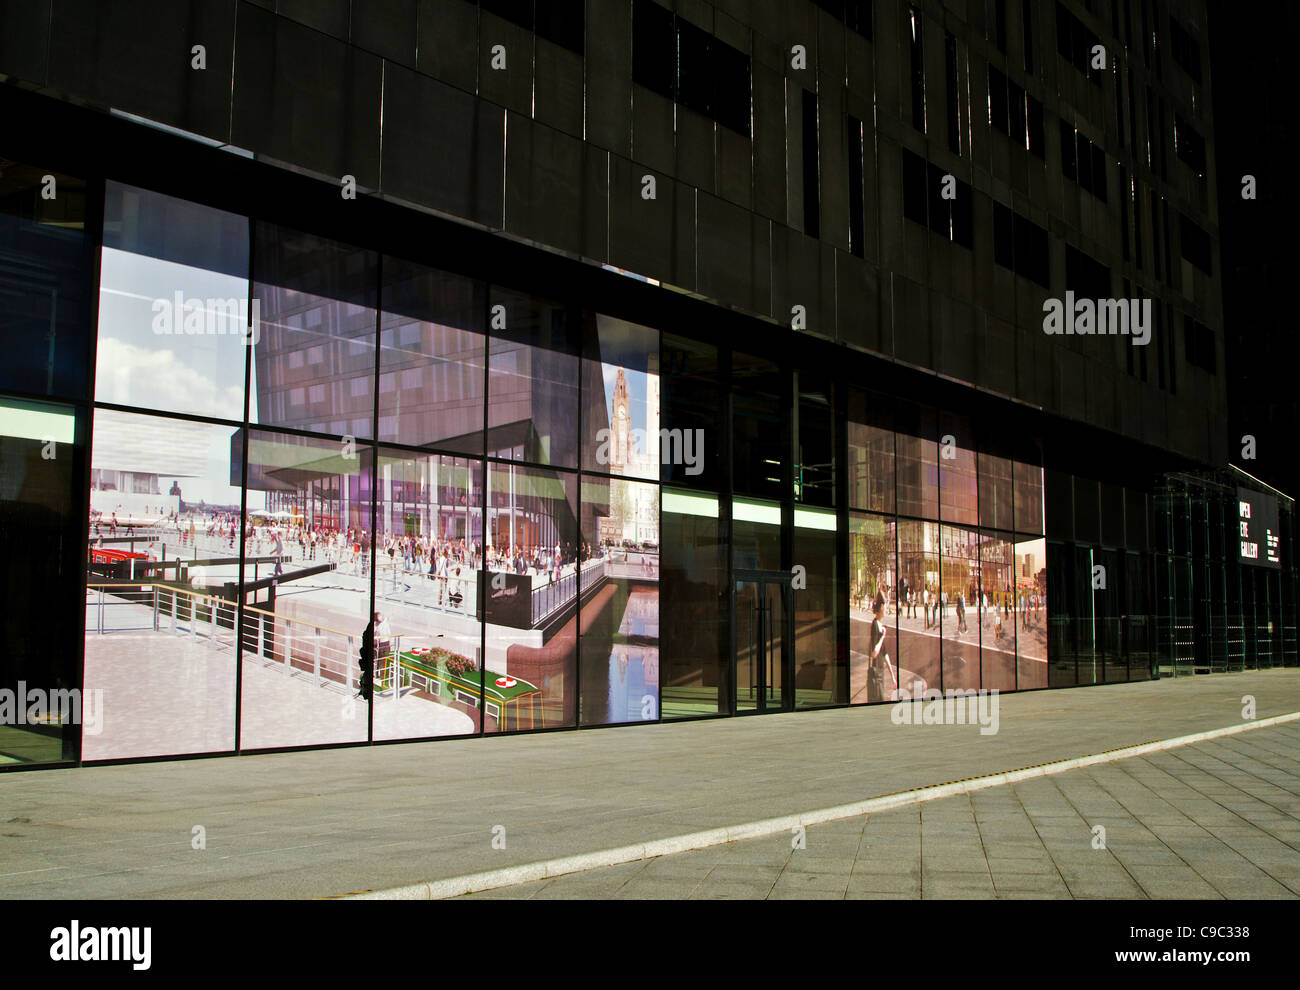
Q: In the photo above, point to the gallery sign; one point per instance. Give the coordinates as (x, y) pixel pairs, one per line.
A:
(1257, 529)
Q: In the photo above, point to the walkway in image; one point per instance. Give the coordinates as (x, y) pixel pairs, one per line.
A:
(1218, 819)
(333, 822)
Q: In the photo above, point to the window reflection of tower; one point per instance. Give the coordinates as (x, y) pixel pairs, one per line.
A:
(621, 451)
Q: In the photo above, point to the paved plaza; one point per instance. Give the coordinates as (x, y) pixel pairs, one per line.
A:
(1218, 818)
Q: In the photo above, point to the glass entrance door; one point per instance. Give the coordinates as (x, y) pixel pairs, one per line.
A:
(764, 645)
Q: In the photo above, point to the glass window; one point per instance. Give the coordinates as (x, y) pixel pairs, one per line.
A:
(958, 618)
(312, 292)
(533, 556)
(533, 380)
(997, 611)
(620, 593)
(1031, 608)
(958, 487)
(918, 462)
(995, 491)
(429, 509)
(306, 608)
(1029, 496)
(871, 452)
(692, 409)
(42, 462)
(918, 627)
(163, 573)
(760, 427)
(694, 582)
(819, 674)
(45, 271)
(173, 305)
(431, 358)
(621, 409)
(878, 600)
(814, 479)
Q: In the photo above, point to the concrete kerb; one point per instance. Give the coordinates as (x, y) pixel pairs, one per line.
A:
(528, 872)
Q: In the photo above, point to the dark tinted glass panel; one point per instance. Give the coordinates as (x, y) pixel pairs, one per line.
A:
(653, 47)
(42, 525)
(760, 432)
(692, 408)
(314, 360)
(534, 553)
(998, 101)
(814, 482)
(694, 592)
(44, 281)
(431, 358)
(915, 194)
(561, 21)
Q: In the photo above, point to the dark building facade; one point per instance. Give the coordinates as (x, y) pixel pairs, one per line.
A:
(623, 361)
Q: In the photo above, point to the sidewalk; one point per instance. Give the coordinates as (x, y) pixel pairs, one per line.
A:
(336, 821)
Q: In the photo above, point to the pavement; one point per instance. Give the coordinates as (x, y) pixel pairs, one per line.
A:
(1215, 818)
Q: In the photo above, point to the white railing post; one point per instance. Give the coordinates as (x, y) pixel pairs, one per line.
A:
(194, 619)
(288, 648)
(212, 623)
(347, 665)
(261, 635)
(155, 608)
(316, 657)
(175, 599)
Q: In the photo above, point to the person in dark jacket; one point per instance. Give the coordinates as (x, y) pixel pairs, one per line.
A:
(367, 686)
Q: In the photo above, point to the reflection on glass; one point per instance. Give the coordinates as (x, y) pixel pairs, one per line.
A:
(533, 373)
(314, 357)
(996, 606)
(428, 546)
(760, 427)
(878, 598)
(431, 360)
(694, 592)
(918, 462)
(918, 624)
(162, 579)
(308, 541)
(1031, 609)
(958, 486)
(173, 305)
(958, 619)
(1029, 497)
(995, 492)
(621, 426)
(871, 455)
(620, 594)
(533, 557)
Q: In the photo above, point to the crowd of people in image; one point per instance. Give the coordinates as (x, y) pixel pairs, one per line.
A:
(936, 604)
